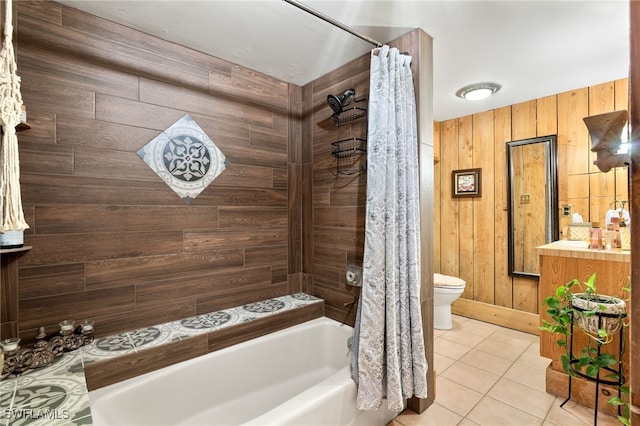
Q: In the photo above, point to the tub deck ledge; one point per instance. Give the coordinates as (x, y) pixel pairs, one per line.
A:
(119, 357)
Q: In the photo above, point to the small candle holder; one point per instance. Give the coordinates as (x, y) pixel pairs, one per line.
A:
(86, 329)
(10, 346)
(16, 360)
(86, 326)
(66, 327)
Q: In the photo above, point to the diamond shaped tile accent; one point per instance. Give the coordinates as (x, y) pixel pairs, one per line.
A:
(185, 158)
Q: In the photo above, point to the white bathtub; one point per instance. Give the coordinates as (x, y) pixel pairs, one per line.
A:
(297, 376)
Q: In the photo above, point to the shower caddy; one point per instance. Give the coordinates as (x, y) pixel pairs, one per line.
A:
(349, 152)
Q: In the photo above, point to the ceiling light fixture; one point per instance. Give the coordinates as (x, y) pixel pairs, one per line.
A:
(475, 92)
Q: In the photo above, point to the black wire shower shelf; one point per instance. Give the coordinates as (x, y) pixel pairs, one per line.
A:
(351, 155)
(351, 147)
(350, 114)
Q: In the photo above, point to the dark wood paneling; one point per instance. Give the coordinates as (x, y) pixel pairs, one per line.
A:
(138, 270)
(111, 241)
(354, 194)
(136, 114)
(234, 196)
(89, 190)
(98, 162)
(295, 209)
(85, 23)
(88, 218)
(74, 190)
(60, 100)
(41, 10)
(252, 86)
(45, 158)
(99, 134)
(232, 299)
(50, 280)
(49, 249)
(307, 219)
(236, 237)
(258, 256)
(254, 155)
(279, 273)
(43, 127)
(202, 285)
(326, 255)
(344, 217)
(103, 373)
(248, 217)
(334, 226)
(107, 325)
(92, 49)
(339, 237)
(197, 100)
(247, 176)
(43, 65)
(280, 178)
(75, 306)
(9, 294)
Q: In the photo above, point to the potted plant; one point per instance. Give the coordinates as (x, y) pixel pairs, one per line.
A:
(598, 316)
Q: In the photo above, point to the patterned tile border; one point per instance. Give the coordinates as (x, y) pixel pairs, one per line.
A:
(57, 395)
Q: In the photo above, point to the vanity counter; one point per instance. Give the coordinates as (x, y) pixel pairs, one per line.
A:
(577, 250)
(561, 262)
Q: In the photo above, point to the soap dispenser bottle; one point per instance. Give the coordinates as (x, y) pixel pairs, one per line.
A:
(625, 236)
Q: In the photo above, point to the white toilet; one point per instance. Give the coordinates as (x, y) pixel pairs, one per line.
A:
(446, 289)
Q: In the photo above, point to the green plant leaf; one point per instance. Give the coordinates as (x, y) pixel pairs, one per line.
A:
(591, 284)
(592, 370)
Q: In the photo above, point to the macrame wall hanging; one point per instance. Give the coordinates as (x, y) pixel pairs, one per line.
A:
(11, 214)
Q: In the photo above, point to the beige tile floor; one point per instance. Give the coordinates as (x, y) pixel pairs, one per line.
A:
(488, 375)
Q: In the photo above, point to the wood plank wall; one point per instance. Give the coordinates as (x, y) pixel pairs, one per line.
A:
(338, 200)
(111, 241)
(471, 234)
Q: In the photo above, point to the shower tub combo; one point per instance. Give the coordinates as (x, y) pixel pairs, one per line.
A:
(296, 376)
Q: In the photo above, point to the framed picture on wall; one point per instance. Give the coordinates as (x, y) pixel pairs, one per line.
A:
(466, 183)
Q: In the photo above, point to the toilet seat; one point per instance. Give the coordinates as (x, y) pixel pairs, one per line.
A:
(447, 281)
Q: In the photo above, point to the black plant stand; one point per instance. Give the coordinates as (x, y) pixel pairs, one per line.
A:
(617, 372)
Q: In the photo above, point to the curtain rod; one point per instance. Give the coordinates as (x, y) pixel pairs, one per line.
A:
(333, 22)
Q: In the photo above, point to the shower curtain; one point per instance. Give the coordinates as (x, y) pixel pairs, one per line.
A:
(388, 349)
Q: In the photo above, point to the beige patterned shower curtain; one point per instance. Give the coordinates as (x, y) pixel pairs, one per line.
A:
(389, 355)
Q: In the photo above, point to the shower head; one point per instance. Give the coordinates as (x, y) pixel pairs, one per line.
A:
(338, 102)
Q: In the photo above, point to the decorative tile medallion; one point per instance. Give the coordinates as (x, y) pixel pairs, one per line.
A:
(305, 297)
(264, 306)
(212, 320)
(144, 336)
(185, 158)
(115, 343)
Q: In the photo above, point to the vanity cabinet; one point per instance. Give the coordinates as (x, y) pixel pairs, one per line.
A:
(560, 264)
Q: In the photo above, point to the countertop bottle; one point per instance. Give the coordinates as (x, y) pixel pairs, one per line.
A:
(595, 240)
(625, 236)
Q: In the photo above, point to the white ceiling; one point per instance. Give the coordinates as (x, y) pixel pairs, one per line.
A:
(532, 48)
